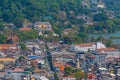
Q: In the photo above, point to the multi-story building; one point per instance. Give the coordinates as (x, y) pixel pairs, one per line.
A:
(110, 52)
(85, 47)
(11, 47)
(80, 55)
(68, 78)
(43, 26)
(101, 57)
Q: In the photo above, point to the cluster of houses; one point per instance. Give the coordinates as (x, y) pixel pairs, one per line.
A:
(18, 65)
(79, 56)
(35, 64)
(97, 53)
(101, 52)
(29, 64)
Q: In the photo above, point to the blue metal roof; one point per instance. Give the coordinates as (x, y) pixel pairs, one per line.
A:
(33, 57)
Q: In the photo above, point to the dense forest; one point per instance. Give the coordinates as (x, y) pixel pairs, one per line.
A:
(62, 13)
(39, 10)
(107, 26)
(68, 16)
(113, 5)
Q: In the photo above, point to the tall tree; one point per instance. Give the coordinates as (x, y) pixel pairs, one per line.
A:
(100, 17)
(3, 38)
(68, 70)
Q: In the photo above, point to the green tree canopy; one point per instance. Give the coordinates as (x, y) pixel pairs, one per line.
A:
(68, 70)
(26, 35)
(100, 17)
(80, 75)
(22, 46)
(3, 38)
(2, 27)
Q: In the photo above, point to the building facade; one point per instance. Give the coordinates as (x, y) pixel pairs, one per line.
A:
(86, 47)
(43, 26)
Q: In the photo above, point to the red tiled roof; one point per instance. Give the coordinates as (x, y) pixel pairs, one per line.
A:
(92, 56)
(25, 29)
(91, 76)
(62, 68)
(107, 49)
(68, 77)
(17, 70)
(110, 58)
(118, 59)
(6, 46)
(2, 73)
(85, 44)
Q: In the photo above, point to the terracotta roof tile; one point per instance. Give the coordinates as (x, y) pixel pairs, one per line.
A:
(7, 59)
(68, 77)
(91, 76)
(6, 46)
(2, 73)
(25, 29)
(107, 49)
(85, 44)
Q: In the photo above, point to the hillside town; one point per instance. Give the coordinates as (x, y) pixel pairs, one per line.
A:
(43, 60)
(59, 40)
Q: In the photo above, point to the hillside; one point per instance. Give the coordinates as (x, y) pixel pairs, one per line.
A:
(64, 15)
(61, 14)
(33, 10)
(113, 5)
(38, 10)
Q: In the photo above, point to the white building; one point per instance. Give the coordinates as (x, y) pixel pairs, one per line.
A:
(68, 78)
(110, 52)
(85, 47)
(30, 45)
(106, 54)
(38, 51)
(16, 73)
(39, 77)
(43, 26)
(43, 78)
(118, 73)
(41, 61)
(101, 5)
